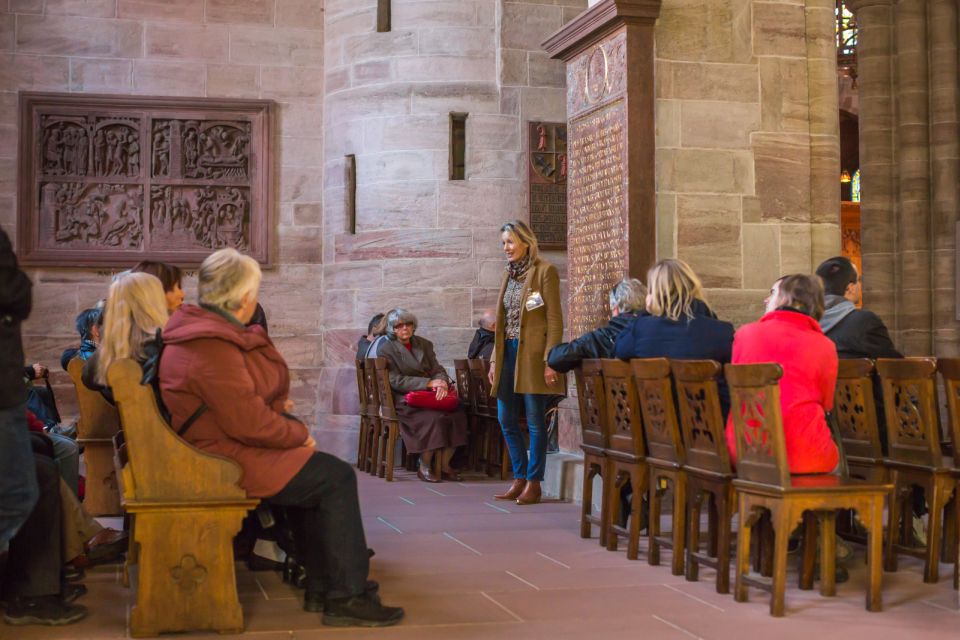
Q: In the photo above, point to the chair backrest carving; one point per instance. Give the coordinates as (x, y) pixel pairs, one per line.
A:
(624, 424)
(361, 391)
(388, 410)
(651, 377)
(910, 405)
(755, 407)
(464, 388)
(701, 416)
(593, 405)
(855, 409)
(371, 390)
(98, 418)
(950, 370)
(486, 405)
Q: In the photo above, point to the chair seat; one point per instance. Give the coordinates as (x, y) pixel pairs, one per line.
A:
(945, 466)
(814, 483)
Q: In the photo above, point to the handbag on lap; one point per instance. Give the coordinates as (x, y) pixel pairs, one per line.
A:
(427, 399)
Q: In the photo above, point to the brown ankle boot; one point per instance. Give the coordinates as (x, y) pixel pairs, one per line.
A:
(514, 491)
(531, 493)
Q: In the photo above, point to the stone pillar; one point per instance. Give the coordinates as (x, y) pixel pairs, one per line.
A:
(913, 171)
(878, 172)
(611, 228)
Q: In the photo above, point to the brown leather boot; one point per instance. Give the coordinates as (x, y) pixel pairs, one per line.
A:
(514, 491)
(531, 493)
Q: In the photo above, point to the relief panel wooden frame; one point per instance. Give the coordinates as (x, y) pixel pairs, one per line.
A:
(109, 180)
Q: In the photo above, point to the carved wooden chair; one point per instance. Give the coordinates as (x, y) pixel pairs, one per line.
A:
(389, 420)
(950, 370)
(593, 416)
(495, 455)
(665, 456)
(915, 458)
(707, 465)
(185, 521)
(364, 422)
(373, 443)
(476, 427)
(854, 408)
(626, 454)
(99, 422)
(764, 483)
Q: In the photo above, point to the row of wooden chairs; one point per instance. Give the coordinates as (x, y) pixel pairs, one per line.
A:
(636, 430)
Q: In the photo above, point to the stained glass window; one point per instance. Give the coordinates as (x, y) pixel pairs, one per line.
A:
(846, 35)
(855, 187)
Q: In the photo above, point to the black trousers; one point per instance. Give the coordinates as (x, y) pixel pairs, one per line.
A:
(324, 511)
(33, 567)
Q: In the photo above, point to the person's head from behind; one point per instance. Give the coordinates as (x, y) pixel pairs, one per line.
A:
(136, 308)
(170, 277)
(488, 320)
(229, 281)
(798, 292)
(518, 240)
(672, 288)
(372, 325)
(840, 278)
(628, 296)
(401, 325)
(89, 323)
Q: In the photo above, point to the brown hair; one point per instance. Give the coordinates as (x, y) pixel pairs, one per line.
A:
(803, 293)
(169, 275)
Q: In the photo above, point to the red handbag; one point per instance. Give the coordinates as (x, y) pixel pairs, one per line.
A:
(427, 399)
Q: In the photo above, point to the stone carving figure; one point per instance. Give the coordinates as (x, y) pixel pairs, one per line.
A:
(53, 149)
(100, 153)
(133, 156)
(118, 154)
(161, 155)
(190, 148)
(82, 152)
(126, 226)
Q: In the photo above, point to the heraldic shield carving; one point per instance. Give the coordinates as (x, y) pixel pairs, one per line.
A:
(548, 183)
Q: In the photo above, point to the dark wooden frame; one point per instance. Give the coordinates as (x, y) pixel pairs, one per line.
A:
(261, 181)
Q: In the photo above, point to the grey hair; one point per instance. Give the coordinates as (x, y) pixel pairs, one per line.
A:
(628, 295)
(225, 277)
(399, 315)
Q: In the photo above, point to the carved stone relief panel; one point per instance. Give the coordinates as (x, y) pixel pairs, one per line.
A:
(547, 173)
(111, 180)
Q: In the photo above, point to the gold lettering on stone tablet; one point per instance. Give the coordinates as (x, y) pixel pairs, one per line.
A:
(597, 200)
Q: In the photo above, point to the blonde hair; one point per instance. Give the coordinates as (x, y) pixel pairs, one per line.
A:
(519, 231)
(673, 288)
(225, 277)
(136, 308)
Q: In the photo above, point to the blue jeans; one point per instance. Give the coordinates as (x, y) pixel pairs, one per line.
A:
(18, 478)
(509, 405)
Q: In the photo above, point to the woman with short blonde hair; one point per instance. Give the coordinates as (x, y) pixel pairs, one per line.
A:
(673, 289)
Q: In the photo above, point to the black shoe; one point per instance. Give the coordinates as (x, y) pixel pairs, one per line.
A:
(69, 591)
(360, 611)
(71, 573)
(313, 601)
(47, 610)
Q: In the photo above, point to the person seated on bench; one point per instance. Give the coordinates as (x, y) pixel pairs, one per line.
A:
(485, 338)
(414, 367)
(134, 316)
(363, 344)
(227, 388)
(89, 325)
(169, 276)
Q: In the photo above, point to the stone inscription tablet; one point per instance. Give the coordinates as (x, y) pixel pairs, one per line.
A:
(112, 180)
(548, 183)
(597, 208)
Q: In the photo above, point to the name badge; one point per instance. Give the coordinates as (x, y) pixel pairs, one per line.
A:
(534, 301)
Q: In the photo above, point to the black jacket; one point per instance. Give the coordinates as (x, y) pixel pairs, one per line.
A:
(862, 334)
(150, 364)
(15, 302)
(598, 343)
(482, 344)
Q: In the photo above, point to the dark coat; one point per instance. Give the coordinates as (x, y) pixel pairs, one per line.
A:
(411, 370)
(363, 345)
(482, 344)
(15, 303)
(149, 363)
(862, 334)
(598, 343)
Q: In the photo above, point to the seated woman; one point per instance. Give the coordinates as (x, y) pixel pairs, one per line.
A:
(414, 367)
(789, 334)
(169, 276)
(232, 385)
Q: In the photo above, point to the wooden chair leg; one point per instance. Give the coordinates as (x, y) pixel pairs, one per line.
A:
(391, 452)
(931, 569)
(638, 481)
(893, 527)
(874, 521)
(828, 553)
(781, 518)
(724, 517)
(808, 558)
(713, 518)
(586, 503)
(612, 487)
(604, 503)
(747, 521)
(948, 549)
(694, 501)
(653, 523)
(678, 529)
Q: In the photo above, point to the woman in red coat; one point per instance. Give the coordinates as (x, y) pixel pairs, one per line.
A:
(226, 387)
(789, 334)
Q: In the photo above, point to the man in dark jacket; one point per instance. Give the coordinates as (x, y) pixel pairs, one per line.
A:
(627, 302)
(483, 340)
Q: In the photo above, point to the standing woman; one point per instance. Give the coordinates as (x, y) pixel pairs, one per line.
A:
(529, 324)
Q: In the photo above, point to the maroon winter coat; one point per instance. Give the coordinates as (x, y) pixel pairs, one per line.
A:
(241, 377)
(809, 361)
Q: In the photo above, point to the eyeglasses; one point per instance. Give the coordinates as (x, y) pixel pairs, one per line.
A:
(402, 325)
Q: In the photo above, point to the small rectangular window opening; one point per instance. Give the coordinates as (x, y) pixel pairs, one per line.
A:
(350, 192)
(458, 146)
(383, 16)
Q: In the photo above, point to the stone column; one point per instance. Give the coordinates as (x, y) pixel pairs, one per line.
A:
(878, 172)
(611, 227)
(913, 171)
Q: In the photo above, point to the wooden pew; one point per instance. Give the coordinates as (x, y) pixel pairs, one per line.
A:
(187, 507)
(99, 422)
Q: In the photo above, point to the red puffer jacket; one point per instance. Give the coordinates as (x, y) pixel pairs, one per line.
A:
(242, 379)
(809, 361)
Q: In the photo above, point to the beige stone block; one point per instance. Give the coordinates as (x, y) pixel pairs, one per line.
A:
(449, 343)
(168, 78)
(8, 177)
(739, 306)
(54, 308)
(546, 72)
(752, 209)
(708, 238)
(510, 101)
(308, 214)
(436, 272)
(302, 14)
(447, 68)
(408, 132)
(444, 97)
(233, 81)
(490, 132)
(397, 205)
(457, 41)
(336, 79)
(87, 8)
(301, 184)
(8, 107)
(190, 42)
(705, 171)
(241, 11)
(779, 29)
(436, 307)
(796, 247)
(761, 255)
(487, 164)
(390, 166)
(486, 13)
(666, 225)
(782, 163)
(490, 274)
(825, 242)
(514, 70)
(168, 10)
(301, 152)
(703, 81)
(471, 204)
(718, 126)
(8, 140)
(824, 185)
(300, 245)
(542, 103)
(372, 72)
(23, 72)
(300, 119)
(258, 45)
(337, 7)
(26, 6)
(696, 30)
(418, 15)
(377, 46)
(292, 308)
(367, 102)
(525, 26)
(7, 29)
(338, 308)
(668, 123)
(783, 90)
(72, 36)
(353, 275)
(8, 215)
(300, 351)
(290, 83)
(404, 243)
(97, 74)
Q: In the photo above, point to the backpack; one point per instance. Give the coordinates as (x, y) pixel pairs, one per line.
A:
(41, 401)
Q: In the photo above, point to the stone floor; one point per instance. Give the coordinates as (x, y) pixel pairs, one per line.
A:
(467, 567)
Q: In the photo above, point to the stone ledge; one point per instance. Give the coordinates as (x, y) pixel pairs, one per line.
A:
(564, 479)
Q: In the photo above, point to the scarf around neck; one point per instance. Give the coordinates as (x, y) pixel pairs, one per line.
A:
(518, 269)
